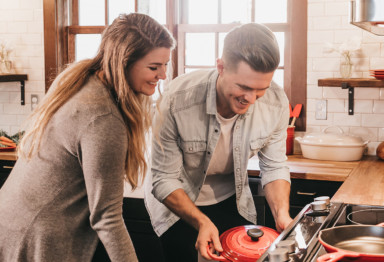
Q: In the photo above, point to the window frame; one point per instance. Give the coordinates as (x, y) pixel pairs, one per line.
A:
(60, 32)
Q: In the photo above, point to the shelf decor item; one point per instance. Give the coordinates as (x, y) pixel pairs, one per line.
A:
(345, 49)
(5, 62)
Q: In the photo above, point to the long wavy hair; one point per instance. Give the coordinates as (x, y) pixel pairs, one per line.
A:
(128, 39)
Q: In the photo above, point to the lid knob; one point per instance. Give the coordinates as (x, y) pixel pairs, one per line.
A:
(278, 255)
(255, 233)
(289, 244)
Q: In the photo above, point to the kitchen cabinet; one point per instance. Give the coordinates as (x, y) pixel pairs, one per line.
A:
(5, 169)
(303, 192)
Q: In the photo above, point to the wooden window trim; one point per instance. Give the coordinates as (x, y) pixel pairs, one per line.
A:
(58, 35)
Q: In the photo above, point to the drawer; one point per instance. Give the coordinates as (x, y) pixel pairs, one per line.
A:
(303, 191)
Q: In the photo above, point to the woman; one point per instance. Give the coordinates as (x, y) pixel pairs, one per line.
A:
(66, 189)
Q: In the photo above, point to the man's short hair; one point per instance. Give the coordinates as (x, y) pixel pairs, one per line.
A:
(254, 44)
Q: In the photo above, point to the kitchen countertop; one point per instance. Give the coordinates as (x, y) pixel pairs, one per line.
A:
(8, 155)
(363, 181)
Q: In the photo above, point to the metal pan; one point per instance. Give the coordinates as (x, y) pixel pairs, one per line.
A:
(360, 242)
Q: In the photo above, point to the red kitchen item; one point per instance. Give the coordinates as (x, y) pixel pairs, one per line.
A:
(358, 242)
(295, 113)
(244, 243)
(290, 140)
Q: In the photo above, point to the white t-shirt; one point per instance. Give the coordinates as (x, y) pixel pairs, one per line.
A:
(219, 183)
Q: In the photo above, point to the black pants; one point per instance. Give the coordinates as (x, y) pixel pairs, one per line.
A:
(178, 242)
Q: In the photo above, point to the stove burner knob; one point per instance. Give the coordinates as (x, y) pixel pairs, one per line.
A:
(278, 255)
(289, 244)
(319, 205)
(323, 198)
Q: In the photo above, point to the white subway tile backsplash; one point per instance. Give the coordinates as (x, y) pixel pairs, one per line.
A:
(365, 133)
(363, 106)
(326, 23)
(381, 134)
(381, 93)
(373, 120)
(335, 92)
(23, 15)
(336, 106)
(371, 148)
(17, 27)
(311, 120)
(343, 119)
(316, 37)
(367, 93)
(336, 9)
(378, 107)
(326, 64)
(316, 9)
(313, 91)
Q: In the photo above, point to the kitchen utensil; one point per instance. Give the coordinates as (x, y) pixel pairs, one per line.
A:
(331, 146)
(244, 243)
(295, 113)
(290, 111)
(360, 242)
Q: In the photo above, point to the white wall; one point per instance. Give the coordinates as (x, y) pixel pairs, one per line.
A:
(328, 21)
(21, 25)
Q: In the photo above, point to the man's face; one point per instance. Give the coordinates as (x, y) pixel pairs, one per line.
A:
(238, 88)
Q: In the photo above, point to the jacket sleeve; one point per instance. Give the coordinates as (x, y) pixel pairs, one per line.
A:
(103, 146)
(167, 159)
(272, 157)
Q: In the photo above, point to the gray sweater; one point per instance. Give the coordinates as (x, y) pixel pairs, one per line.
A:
(55, 206)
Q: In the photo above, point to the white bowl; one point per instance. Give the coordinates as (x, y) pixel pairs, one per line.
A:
(333, 147)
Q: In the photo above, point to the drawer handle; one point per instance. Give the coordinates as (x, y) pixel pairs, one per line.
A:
(10, 167)
(305, 193)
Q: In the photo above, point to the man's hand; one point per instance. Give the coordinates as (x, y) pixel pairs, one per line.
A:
(208, 234)
(179, 203)
(282, 222)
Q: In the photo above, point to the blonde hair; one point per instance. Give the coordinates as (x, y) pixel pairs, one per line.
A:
(128, 39)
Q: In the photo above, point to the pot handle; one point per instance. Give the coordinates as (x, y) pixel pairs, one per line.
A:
(339, 128)
(216, 257)
(336, 256)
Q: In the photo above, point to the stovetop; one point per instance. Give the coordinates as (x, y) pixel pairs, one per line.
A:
(308, 223)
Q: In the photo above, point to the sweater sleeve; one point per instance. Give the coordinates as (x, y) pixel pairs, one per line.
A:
(103, 148)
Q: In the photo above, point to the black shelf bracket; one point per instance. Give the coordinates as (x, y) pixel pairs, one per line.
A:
(351, 94)
(16, 78)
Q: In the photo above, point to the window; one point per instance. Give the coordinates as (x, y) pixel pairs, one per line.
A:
(198, 25)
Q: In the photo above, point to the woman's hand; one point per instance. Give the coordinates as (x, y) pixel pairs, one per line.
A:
(208, 235)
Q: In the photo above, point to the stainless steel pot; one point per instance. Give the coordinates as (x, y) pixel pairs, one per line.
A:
(331, 146)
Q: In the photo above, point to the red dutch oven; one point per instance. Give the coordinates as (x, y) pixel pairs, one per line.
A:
(244, 243)
(353, 243)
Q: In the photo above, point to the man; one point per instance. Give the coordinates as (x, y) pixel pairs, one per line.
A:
(210, 123)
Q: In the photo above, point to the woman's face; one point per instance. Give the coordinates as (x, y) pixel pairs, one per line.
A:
(146, 72)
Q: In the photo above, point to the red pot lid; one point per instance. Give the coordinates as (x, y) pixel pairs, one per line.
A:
(239, 246)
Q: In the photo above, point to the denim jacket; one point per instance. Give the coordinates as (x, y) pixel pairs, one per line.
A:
(189, 133)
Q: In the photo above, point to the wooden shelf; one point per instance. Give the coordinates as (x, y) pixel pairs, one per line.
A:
(16, 78)
(350, 84)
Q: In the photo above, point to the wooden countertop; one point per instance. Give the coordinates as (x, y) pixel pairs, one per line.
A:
(304, 168)
(8, 155)
(365, 184)
(363, 180)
